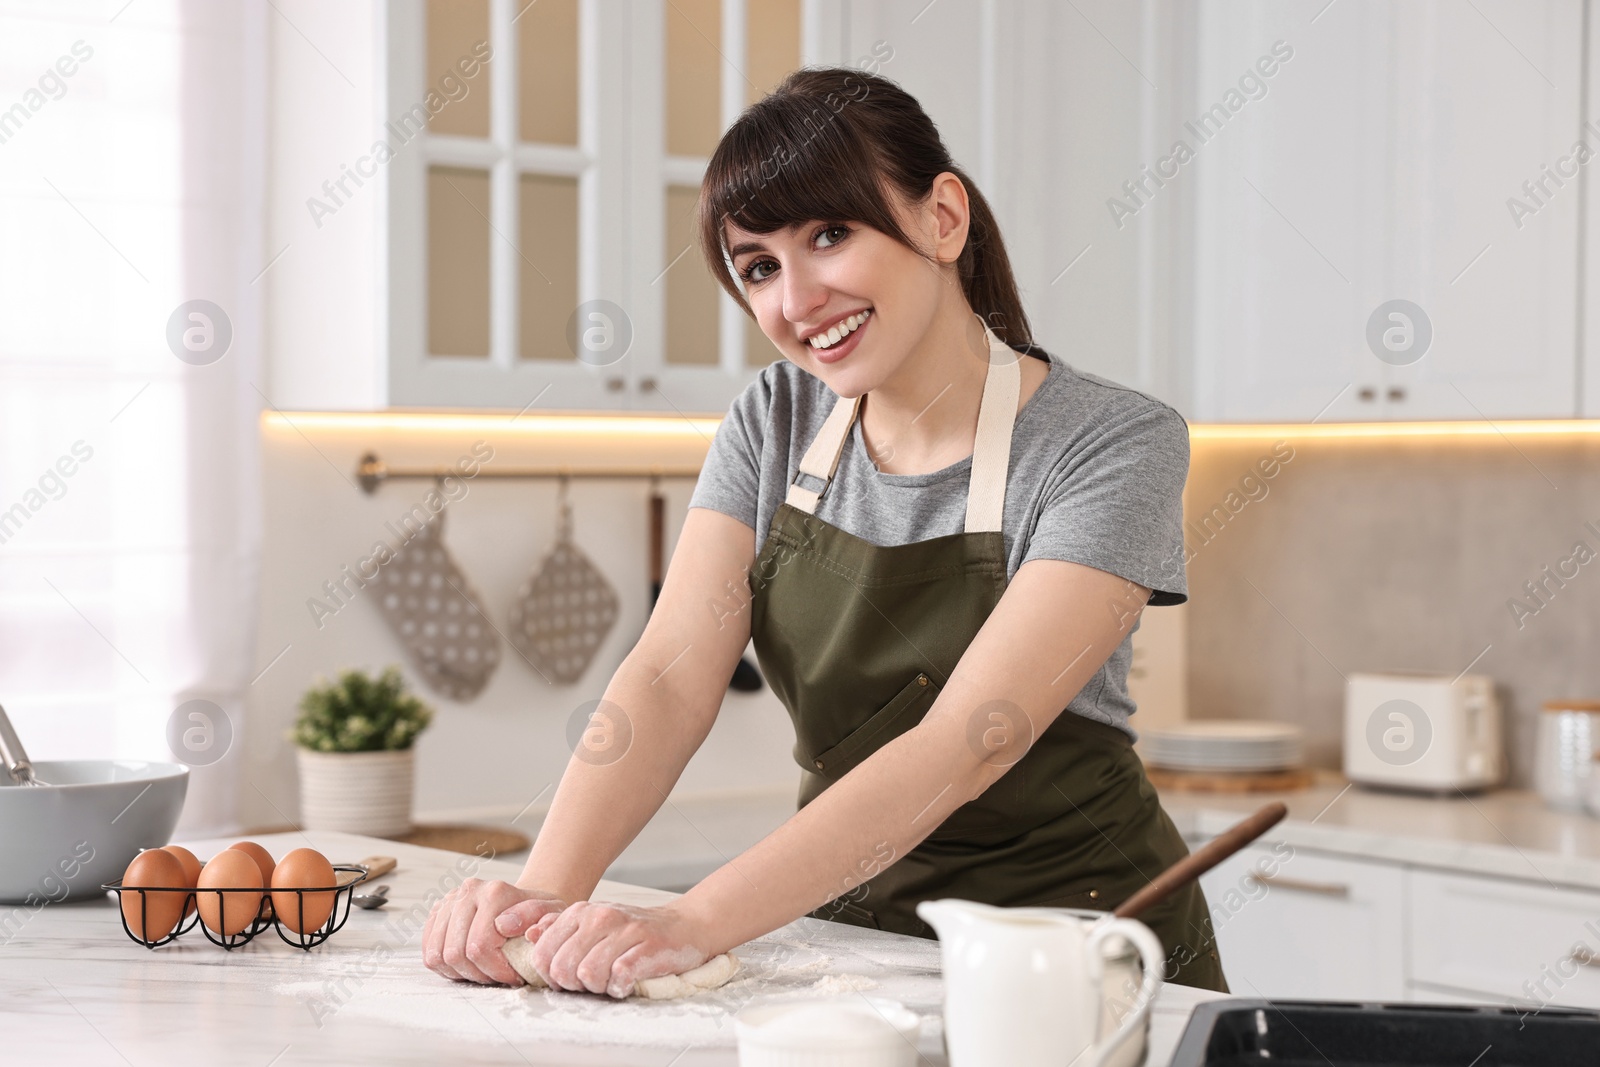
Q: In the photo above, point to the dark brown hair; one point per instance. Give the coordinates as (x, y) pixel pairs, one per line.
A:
(826, 144)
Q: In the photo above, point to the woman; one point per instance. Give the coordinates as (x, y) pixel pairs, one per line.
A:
(940, 538)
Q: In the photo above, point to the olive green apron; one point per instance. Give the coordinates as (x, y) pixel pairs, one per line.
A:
(857, 640)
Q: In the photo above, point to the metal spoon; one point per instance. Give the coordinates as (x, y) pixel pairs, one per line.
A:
(375, 899)
(13, 757)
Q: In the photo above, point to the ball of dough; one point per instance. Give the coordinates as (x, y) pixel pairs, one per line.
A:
(709, 975)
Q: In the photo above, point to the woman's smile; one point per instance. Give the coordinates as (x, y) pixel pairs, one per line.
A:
(842, 339)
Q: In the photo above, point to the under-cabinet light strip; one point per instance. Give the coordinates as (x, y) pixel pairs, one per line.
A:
(601, 425)
(529, 425)
(1394, 430)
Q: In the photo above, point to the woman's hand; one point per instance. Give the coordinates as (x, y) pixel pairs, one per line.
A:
(606, 948)
(462, 938)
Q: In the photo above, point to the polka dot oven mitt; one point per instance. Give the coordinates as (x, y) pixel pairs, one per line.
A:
(435, 612)
(564, 610)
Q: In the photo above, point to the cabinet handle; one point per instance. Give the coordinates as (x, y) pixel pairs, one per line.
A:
(1278, 881)
(615, 384)
(1396, 393)
(1583, 957)
(1367, 393)
(647, 385)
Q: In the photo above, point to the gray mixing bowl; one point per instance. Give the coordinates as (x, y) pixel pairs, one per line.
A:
(61, 841)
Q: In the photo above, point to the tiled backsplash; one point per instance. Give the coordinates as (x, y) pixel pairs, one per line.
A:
(1391, 553)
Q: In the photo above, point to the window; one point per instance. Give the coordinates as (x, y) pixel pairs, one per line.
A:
(129, 386)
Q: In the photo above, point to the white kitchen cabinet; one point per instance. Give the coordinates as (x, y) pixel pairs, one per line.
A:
(1502, 939)
(657, 83)
(1292, 923)
(1422, 993)
(1589, 298)
(552, 229)
(1378, 162)
(1003, 81)
(1380, 165)
(1048, 108)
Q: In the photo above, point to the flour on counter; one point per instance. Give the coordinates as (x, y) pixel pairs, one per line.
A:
(808, 958)
(843, 983)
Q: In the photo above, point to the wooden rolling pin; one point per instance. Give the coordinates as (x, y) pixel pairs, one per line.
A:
(375, 865)
(1202, 860)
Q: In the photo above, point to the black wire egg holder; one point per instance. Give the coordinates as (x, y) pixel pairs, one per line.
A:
(266, 914)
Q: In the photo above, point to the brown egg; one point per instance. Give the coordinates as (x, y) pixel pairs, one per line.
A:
(154, 916)
(262, 857)
(304, 868)
(228, 913)
(191, 872)
(263, 860)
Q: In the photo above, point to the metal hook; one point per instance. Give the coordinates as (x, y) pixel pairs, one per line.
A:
(563, 509)
(444, 502)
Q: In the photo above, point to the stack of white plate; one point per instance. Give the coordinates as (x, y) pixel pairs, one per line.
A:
(1225, 746)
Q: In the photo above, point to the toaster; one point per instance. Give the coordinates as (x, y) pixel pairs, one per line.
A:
(1425, 732)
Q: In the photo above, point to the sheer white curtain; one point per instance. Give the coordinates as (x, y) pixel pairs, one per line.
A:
(131, 183)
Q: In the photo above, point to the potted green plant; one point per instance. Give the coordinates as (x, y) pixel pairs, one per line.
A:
(353, 742)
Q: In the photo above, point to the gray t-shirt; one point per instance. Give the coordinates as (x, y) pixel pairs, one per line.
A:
(1096, 477)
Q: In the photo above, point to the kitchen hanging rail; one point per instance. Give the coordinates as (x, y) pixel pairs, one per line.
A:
(373, 472)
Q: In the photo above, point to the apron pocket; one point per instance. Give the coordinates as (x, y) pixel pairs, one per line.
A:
(887, 723)
(1084, 900)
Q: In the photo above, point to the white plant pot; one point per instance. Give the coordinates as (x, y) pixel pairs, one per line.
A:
(357, 792)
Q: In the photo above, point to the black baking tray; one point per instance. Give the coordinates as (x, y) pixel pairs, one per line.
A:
(1299, 1033)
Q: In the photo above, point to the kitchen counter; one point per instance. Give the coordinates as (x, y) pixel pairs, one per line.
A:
(1506, 833)
(75, 989)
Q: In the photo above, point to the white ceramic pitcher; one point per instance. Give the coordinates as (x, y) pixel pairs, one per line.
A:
(1022, 986)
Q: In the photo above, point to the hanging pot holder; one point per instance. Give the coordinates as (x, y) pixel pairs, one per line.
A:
(564, 610)
(435, 612)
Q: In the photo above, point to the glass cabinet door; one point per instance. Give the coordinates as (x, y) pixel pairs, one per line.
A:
(488, 193)
(543, 189)
(719, 56)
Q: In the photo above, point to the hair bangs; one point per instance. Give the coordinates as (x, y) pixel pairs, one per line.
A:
(789, 160)
(843, 145)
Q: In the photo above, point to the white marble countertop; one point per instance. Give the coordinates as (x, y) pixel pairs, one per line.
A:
(74, 988)
(1507, 833)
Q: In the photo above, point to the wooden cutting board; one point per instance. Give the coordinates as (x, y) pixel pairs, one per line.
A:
(1213, 782)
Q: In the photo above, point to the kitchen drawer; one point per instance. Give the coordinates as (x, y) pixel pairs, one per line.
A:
(1297, 924)
(1417, 993)
(1506, 939)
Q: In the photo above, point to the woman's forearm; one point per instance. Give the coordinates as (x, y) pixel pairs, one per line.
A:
(666, 696)
(1026, 655)
(856, 827)
(611, 788)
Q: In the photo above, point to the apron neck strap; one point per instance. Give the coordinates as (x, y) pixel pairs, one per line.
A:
(991, 452)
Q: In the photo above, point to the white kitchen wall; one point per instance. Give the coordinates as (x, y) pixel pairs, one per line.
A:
(491, 757)
(1402, 554)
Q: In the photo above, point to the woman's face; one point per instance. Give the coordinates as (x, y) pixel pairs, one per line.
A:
(846, 282)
